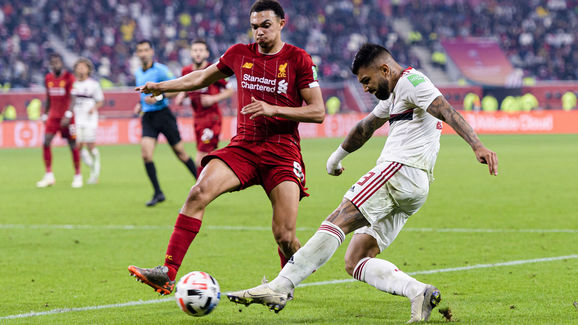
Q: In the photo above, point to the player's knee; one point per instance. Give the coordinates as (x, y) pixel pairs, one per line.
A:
(147, 157)
(283, 236)
(198, 196)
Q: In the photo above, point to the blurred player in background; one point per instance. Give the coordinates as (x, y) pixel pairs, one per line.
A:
(379, 204)
(207, 115)
(273, 81)
(58, 117)
(87, 98)
(157, 118)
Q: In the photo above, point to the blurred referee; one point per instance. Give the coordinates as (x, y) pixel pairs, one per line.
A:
(157, 118)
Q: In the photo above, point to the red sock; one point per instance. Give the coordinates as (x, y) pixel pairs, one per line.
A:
(282, 257)
(186, 228)
(76, 160)
(47, 155)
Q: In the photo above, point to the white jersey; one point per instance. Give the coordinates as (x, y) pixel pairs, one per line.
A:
(87, 93)
(414, 134)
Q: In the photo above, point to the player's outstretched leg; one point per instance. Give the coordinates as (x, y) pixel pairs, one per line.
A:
(156, 277)
(316, 252)
(361, 263)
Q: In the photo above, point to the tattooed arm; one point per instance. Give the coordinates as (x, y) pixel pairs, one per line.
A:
(441, 109)
(356, 138)
(361, 132)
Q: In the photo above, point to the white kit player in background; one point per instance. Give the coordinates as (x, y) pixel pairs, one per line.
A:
(87, 98)
(377, 207)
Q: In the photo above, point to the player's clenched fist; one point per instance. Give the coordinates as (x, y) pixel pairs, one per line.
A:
(150, 88)
(334, 166)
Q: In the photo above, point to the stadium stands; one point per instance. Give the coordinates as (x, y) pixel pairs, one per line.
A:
(538, 37)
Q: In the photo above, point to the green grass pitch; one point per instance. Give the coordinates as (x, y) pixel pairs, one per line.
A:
(471, 218)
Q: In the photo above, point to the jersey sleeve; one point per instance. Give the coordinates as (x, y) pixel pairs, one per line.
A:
(306, 72)
(421, 91)
(227, 60)
(381, 110)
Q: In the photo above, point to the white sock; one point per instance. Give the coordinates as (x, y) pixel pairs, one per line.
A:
(49, 174)
(96, 162)
(86, 158)
(310, 257)
(385, 276)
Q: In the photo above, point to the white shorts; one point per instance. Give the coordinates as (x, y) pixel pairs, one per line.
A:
(387, 196)
(85, 133)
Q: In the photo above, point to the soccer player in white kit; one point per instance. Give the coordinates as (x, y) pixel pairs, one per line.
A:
(87, 98)
(377, 206)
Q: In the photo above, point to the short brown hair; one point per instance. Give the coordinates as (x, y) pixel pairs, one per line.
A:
(85, 61)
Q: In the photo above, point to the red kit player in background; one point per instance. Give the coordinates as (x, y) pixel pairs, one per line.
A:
(205, 104)
(273, 81)
(58, 117)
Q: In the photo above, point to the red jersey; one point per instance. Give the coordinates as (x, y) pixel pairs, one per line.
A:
(195, 96)
(58, 92)
(275, 79)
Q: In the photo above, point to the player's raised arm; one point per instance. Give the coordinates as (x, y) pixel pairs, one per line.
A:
(192, 81)
(313, 112)
(441, 109)
(356, 138)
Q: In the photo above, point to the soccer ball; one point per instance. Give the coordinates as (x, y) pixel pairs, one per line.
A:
(197, 293)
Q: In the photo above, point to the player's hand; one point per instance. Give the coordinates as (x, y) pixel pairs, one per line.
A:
(150, 100)
(334, 167)
(150, 88)
(137, 109)
(208, 100)
(488, 157)
(258, 108)
(91, 110)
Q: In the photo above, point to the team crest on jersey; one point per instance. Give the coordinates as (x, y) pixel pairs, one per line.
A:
(247, 65)
(62, 83)
(282, 71)
(283, 86)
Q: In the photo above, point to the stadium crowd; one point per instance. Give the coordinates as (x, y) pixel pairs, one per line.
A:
(537, 37)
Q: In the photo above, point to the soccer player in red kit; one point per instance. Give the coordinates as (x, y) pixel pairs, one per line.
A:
(273, 81)
(205, 106)
(58, 117)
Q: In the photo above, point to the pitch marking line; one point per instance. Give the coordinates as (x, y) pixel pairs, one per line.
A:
(257, 228)
(147, 302)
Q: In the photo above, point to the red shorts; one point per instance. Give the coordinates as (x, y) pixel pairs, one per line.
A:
(207, 132)
(263, 163)
(53, 127)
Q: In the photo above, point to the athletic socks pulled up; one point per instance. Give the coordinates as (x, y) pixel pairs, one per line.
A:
(152, 173)
(386, 277)
(191, 166)
(185, 231)
(47, 156)
(316, 252)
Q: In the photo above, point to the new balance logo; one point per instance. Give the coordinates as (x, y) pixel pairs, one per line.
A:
(247, 65)
(283, 85)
